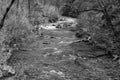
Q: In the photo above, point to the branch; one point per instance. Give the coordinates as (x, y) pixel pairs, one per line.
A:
(6, 12)
(97, 10)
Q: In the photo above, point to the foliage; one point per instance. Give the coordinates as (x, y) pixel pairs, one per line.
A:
(51, 12)
(102, 28)
(73, 8)
(41, 14)
(14, 34)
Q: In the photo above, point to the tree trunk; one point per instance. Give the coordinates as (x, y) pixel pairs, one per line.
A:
(6, 12)
(29, 6)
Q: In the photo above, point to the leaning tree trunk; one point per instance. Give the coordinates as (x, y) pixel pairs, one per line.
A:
(6, 12)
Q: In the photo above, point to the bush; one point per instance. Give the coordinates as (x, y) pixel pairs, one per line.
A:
(51, 12)
(103, 37)
(41, 14)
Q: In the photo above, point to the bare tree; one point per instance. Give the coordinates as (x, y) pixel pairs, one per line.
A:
(107, 17)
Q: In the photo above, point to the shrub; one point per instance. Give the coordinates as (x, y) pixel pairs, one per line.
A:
(41, 14)
(104, 36)
(51, 12)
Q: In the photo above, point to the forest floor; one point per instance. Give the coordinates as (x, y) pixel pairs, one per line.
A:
(53, 58)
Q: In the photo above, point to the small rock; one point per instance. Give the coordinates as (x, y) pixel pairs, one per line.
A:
(61, 74)
(52, 71)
